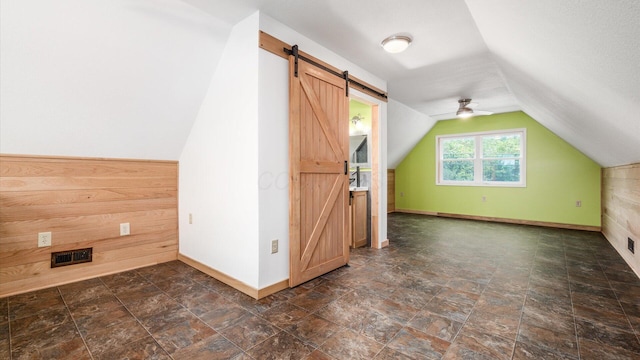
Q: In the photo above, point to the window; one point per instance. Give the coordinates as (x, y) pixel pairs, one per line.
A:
(482, 159)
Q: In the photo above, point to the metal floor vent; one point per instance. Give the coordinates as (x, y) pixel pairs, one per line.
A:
(64, 258)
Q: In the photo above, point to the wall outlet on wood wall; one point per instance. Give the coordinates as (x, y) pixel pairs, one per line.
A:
(44, 239)
(125, 229)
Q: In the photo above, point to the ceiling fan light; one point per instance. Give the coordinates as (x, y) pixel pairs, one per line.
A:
(396, 43)
(464, 113)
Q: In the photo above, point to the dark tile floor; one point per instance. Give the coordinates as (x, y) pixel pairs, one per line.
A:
(445, 288)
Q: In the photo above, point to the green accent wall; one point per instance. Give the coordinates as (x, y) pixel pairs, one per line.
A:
(558, 175)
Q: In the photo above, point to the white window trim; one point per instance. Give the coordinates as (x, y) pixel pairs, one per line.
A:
(477, 166)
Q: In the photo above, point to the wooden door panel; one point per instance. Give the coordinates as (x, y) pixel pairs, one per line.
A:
(321, 209)
(319, 186)
(325, 110)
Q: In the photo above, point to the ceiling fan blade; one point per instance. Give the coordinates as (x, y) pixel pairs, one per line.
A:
(481, 112)
(444, 116)
(465, 107)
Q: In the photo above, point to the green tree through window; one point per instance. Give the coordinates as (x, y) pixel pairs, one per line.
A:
(458, 155)
(501, 158)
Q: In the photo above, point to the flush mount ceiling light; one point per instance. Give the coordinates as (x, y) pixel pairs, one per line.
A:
(396, 43)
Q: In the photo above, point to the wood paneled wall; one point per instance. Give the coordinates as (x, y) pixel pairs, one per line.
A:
(621, 210)
(391, 190)
(82, 202)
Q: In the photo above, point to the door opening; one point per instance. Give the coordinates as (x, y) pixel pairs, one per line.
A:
(360, 154)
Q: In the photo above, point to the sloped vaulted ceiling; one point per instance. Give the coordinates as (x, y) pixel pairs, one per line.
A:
(126, 78)
(574, 66)
(104, 78)
(571, 64)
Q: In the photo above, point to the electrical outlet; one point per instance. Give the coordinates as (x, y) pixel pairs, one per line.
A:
(401, 194)
(578, 203)
(274, 246)
(44, 239)
(125, 229)
(484, 199)
(631, 245)
(190, 218)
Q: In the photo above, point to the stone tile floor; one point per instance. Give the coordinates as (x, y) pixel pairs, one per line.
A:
(445, 288)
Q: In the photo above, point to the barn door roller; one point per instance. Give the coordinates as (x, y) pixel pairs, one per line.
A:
(344, 75)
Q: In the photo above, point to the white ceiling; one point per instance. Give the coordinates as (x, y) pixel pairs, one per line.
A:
(111, 77)
(572, 64)
(114, 78)
(448, 58)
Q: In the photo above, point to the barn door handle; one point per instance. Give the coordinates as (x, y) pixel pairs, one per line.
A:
(346, 167)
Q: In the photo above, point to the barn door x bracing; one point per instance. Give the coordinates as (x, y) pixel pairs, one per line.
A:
(319, 187)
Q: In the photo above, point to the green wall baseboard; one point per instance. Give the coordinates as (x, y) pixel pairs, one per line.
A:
(503, 220)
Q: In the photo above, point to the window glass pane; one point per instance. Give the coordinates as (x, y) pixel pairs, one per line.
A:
(457, 170)
(507, 170)
(459, 148)
(501, 146)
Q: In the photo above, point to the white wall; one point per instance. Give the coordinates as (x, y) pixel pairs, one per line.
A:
(104, 78)
(406, 128)
(273, 181)
(234, 167)
(219, 165)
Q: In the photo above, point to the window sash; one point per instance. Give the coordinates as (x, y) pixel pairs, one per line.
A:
(444, 178)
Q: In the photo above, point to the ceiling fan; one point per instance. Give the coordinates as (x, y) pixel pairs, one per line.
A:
(465, 109)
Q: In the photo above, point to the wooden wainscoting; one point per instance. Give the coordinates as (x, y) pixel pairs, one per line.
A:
(82, 202)
(621, 210)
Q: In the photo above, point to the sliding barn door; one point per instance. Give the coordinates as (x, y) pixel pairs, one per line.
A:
(319, 143)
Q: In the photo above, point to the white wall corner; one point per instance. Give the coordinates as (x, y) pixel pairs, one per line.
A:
(273, 175)
(405, 129)
(219, 163)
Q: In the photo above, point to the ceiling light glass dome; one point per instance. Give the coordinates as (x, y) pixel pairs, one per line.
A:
(396, 43)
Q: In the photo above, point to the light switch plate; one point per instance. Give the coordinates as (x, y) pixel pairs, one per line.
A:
(125, 229)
